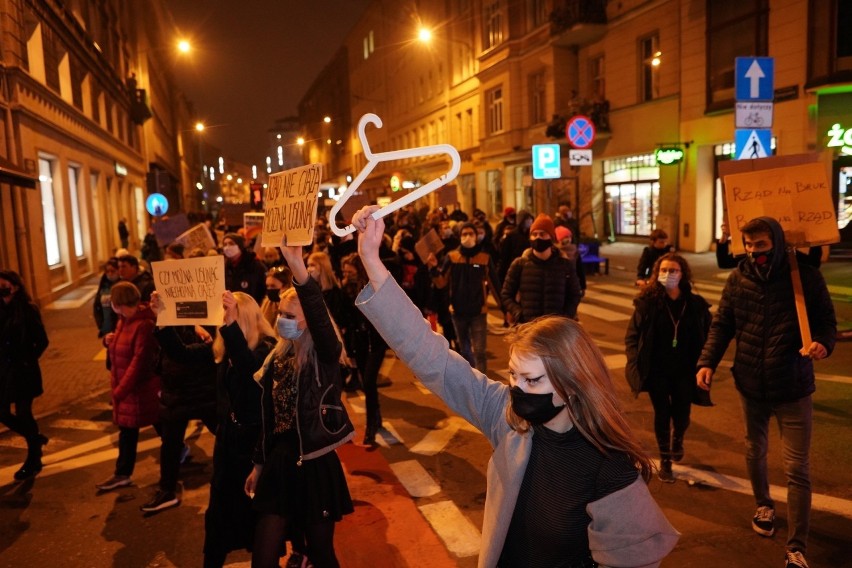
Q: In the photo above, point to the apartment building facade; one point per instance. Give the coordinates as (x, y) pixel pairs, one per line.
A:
(91, 117)
(502, 75)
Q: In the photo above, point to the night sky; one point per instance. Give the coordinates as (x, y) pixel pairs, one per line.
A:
(253, 60)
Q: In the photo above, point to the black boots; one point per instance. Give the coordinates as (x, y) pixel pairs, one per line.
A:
(32, 465)
(677, 447)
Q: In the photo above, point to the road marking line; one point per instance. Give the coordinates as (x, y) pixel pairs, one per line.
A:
(458, 533)
(834, 505)
(421, 388)
(100, 355)
(618, 300)
(415, 478)
(601, 313)
(357, 402)
(436, 440)
(388, 435)
(69, 424)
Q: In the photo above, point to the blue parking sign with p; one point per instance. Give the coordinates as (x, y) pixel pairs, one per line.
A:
(546, 161)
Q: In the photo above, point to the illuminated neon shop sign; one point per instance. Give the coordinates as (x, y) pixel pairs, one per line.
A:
(839, 137)
(668, 156)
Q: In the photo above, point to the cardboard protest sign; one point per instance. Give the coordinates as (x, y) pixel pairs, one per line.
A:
(167, 230)
(429, 243)
(290, 206)
(197, 237)
(448, 196)
(352, 206)
(190, 290)
(798, 196)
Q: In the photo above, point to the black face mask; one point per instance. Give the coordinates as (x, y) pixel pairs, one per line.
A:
(534, 408)
(541, 245)
(5, 292)
(273, 294)
(762, 262)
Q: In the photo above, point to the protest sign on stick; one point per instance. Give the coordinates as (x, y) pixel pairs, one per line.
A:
(290, 206)
(190, 290)
(797, 196)
(197, 237)
(795, 191)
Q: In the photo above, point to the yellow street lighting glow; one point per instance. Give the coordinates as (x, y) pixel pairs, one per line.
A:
(199, 126)
(327, 119)
(300, 141)
(424, 35)
(656, 60)
(230, 177)
(183, 46)
(239, 180)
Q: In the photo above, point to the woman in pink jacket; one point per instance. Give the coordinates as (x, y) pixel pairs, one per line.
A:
(135, 385)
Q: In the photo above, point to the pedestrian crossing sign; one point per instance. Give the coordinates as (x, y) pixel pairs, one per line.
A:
(752, 144)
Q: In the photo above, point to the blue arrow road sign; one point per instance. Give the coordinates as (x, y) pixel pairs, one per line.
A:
(755, 78)
(753, 144)
(546, 163)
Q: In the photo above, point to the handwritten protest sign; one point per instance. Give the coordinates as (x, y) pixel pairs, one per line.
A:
(166, 230)
(290, 207)
(252, 225)
(798, 196)
(430, 243)
(197, 237)
(191, 290)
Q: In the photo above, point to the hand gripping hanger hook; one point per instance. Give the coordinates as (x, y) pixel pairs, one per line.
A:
(375, 159)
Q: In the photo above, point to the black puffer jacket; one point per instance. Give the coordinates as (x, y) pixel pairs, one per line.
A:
(762, 316)
(544, 287)
(247, 275)
(186, 368)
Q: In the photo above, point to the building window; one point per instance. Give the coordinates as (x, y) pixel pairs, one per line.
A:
(537, 99)
(470, 132)
(494, 99)
(537, 13)
(493, 23)
(649, 55)
(494, 189)
(76, 222)
(53, 54)
(597, 82)
(735, 28)
(48, 210)
(830, 51)
(632, 192)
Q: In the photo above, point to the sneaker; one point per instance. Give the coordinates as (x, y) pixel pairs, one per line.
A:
(184, 454)
(161, 500)
(795, 559)
(665, 474)
(28, 470)
(763, 522)
(114, 482)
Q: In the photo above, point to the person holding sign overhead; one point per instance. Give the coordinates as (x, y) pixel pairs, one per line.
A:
(298, 481)
(773, 371)
(559, 420)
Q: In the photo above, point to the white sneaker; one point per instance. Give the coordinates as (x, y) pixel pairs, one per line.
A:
(114, 482)
(795, 560)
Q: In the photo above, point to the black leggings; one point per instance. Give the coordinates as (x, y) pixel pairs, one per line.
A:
(22, 422)
(672, 401)
(271, 531)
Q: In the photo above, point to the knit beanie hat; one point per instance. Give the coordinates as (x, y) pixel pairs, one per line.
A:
(544, 223)
(563, 233)
(238, 239)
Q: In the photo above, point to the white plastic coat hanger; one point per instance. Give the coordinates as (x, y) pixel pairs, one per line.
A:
(374, 159)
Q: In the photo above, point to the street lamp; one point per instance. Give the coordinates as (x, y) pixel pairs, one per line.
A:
(184, 46)
(199, 130)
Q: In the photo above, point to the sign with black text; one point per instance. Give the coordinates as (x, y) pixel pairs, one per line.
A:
(190, 290)
(290, 206)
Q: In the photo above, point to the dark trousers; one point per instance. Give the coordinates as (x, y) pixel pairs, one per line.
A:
(369, 360)
(23, 422)
(671, 398)
(173, 423)
(128, 439)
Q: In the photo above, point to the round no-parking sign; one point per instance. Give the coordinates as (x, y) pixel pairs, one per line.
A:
(580, 131)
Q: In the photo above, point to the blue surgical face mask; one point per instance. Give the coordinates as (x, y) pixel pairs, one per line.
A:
(288, 328)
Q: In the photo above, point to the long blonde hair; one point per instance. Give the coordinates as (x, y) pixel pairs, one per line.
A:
(578, 372)
(328, 279)
(251, 322)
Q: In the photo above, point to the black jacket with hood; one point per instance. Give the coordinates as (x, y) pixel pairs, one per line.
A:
(761, 313)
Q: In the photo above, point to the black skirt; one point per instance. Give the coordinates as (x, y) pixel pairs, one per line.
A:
(306, 494)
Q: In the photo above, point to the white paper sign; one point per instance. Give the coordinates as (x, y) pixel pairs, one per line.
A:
(190, 290)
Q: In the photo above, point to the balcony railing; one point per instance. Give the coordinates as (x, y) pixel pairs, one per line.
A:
(575, 19)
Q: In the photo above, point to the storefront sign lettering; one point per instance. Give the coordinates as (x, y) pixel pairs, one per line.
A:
(840, 137)
(668, 156)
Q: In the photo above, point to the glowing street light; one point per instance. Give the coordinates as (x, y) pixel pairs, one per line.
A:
(184, 46)
(424, 35)
(326, 119)
(199, 126)
(300, 141)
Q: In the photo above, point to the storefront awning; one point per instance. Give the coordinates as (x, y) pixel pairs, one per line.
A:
(9, 173)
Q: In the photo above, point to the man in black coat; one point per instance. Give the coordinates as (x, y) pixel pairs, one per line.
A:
(541, 281)
(773, 371)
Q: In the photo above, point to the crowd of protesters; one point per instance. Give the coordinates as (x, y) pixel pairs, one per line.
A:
(294, 338)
